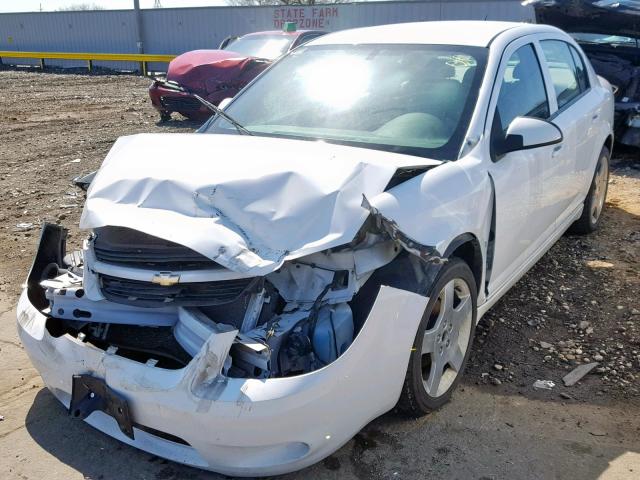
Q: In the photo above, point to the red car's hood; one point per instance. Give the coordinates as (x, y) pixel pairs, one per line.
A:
(210, 71)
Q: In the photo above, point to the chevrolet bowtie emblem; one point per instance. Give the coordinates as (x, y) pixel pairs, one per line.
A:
(166, 279)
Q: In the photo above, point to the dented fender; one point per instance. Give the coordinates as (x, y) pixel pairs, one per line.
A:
(439, 206)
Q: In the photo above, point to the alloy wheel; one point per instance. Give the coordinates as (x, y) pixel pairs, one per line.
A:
(600, 191)
(446, 340)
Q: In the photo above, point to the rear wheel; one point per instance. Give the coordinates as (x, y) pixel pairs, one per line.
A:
(594, 203)
(443, 341)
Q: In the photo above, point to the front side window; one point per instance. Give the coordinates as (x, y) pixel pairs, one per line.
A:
(563, 71)
(522, 93)
(412, 99)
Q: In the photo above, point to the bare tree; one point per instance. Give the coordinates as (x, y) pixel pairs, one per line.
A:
(81, 6)
(245, 3)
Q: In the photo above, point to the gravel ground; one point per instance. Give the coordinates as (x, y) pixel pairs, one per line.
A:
(579, 304)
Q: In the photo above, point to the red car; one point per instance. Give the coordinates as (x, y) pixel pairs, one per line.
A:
(218, 74)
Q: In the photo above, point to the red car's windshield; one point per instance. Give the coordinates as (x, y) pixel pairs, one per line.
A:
(262, 46)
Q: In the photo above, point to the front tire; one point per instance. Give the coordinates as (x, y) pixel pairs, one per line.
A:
(443, 341)
(594, 202)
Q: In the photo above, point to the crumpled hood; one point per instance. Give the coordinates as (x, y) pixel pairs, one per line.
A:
(249, 203)
(210, 71)
(590, 16)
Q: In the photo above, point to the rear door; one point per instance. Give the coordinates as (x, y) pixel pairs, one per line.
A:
(577, 114)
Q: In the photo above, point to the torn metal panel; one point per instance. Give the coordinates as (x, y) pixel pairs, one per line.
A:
(453, 199)
(391, 228)
(204, 374)
(246, 211)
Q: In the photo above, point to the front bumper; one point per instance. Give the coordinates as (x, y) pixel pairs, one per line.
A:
(241, 427)
(167, 100)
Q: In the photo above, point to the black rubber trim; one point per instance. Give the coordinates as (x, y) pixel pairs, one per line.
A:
(51, 251)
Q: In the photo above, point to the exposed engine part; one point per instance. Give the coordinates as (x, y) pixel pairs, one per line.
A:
(333, 332)
(292, 321)
(296, 355)
(253, 310)
(251, 358)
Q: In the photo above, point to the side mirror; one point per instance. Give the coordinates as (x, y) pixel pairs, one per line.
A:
(227, 41)
(224, 102)
(525, 133)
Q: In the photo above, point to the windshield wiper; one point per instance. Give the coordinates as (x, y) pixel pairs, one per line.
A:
(217, 110)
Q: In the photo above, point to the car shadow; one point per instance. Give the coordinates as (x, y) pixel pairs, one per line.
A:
(452, 442)
(94, 454)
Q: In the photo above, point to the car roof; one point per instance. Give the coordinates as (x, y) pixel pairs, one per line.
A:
(456, 32)
(281, 32)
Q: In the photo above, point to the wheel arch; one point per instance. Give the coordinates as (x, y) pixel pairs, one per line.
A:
(466, 247)
(608, 142)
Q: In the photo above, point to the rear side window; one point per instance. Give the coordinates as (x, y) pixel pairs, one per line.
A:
(581, 70)
(568, 81)
(522, 93)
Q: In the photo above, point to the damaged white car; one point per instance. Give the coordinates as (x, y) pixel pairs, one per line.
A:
(250, 296)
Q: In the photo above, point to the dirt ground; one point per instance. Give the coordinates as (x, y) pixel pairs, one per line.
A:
(579, 304)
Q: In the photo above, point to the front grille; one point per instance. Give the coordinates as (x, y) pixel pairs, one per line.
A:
(181, 104)
(130, 248)
(197, 294)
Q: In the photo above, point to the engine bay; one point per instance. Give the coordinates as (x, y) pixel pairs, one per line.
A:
(131, 294)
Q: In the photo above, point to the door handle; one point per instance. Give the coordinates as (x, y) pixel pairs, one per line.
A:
(595, 117)
(556, 150)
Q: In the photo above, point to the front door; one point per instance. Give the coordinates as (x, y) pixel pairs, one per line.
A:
(518, 176)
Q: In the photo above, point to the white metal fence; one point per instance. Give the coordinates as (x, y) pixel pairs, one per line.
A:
(176, 30)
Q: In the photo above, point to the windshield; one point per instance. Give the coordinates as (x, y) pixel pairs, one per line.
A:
(262, 46)
(413, 99)
(602, 38)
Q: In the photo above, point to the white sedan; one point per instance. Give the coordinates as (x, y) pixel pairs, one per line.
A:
(249, 297)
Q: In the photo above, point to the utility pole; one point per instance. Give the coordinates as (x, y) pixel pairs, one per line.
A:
(139, 28)
(139, 33)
